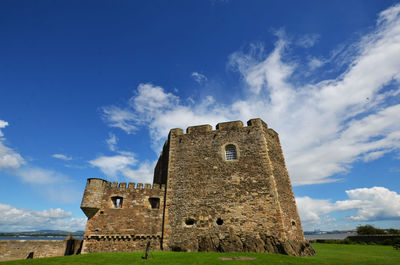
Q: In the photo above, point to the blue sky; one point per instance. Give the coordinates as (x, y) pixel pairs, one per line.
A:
(91, 89)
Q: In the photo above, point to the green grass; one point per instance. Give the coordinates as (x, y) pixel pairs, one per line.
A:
(326, 254)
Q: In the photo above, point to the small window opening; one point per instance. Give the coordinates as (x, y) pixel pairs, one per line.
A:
(190, 221)
(155, 203)
(230, 152)
(117, 201)
(220, 221)
(101, 212)
(293, 223)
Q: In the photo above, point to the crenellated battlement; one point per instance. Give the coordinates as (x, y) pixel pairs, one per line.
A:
(123, 186)
(222, 126)
(99, 191)
(199, 129)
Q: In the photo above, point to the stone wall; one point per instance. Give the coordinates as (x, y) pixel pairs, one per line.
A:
(123, 218)
(20, 249)
(217, 205)
(287, 203)
(372, 238)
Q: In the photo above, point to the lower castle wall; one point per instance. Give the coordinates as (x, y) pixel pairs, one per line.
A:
(104, 244)
(372, 238)
(20, 249)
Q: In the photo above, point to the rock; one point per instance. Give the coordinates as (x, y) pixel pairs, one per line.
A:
(232, 242)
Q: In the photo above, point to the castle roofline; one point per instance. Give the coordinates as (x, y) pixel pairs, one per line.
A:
(222, 126)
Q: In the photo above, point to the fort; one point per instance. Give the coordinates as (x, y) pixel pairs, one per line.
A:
(213, 190)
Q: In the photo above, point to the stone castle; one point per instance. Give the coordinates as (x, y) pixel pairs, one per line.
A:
(213, 190)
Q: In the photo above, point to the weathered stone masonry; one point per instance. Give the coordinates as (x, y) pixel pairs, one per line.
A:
(208, 200)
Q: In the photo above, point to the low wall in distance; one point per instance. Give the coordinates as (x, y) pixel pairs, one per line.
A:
(372, 238)
(21, 249)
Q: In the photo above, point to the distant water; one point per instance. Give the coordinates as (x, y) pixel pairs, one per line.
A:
(37, 237)
(329, 236)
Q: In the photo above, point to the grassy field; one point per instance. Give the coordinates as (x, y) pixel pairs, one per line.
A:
(326, 254)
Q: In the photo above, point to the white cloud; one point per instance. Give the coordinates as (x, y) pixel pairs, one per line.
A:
(112, 142)
(374, 155)
(114, 165)
(199, 78)
(315, 63)
(8, 157)
(377, 203)
(125, 164)
(310, 210)
(36, 175)
(62, 157)
(3, 124)
(53, 213)
(143, 174)
(18, 219)
(308, 41)
(339, 121)
(151, 100)
(120, 118)
(366, 204)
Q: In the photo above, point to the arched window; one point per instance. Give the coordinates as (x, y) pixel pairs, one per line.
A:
(230, 152)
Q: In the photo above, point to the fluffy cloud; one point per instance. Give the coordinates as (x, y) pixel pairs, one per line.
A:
(372, 204)
(3, 124)
(18, 219)
(365, 204)
(351, 117)
(114, 165)
(310, 210)
(144, 173)
(112, 142)
(125, 164)
(199, 78)
(150, 101)
(8, 157)
(62, 157)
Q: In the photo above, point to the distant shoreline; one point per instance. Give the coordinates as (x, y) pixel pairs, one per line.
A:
(329, 235)
(58, 237)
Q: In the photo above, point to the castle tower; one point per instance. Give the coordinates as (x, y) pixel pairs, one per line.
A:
(93, 196)
(213, 190)
(228, 190)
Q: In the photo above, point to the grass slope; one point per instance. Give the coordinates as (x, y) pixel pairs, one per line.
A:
(327, 254)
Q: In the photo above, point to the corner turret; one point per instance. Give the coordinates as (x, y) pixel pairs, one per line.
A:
(93, 196)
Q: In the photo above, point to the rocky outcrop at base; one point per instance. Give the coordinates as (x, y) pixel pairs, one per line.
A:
(246, 243)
